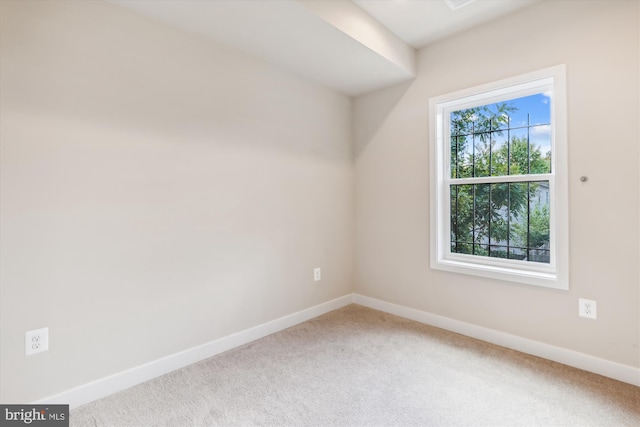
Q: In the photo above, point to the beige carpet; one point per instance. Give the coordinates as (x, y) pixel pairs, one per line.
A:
(360, 367)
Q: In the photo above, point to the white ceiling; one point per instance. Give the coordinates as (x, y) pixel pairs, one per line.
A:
(331, 42)
(420, 22)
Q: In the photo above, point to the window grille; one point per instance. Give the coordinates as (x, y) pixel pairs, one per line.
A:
(475, 242)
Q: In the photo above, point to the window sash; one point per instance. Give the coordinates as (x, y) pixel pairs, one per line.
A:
(446, 209)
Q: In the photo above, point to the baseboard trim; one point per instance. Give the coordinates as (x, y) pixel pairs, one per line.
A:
(617, 371)
(117, 382)
(120, 381)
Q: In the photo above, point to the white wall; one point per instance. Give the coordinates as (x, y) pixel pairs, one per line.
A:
(599, 43)
(157, 192)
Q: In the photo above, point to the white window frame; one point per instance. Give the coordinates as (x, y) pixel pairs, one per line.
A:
(552, 275)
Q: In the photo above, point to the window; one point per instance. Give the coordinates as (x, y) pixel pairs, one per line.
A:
(498, 180)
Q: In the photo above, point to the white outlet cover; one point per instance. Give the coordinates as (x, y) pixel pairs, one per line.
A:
(587, 308)
(317, 274)
(36, 341)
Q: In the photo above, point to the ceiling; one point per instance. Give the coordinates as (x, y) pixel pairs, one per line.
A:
(420, 22)
(353, 47)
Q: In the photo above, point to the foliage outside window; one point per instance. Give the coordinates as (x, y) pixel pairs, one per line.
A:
(498, 180)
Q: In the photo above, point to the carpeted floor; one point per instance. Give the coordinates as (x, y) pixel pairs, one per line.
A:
(361, 367)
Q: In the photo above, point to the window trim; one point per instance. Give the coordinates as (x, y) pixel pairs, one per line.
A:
(556, 273)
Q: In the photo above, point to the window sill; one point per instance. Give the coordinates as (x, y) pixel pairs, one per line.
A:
(538, 277)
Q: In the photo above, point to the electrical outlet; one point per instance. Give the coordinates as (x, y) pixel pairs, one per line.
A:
(36, 341)
(587, 308)
(317, 274)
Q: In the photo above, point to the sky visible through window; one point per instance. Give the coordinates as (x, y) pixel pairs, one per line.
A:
(538, 107)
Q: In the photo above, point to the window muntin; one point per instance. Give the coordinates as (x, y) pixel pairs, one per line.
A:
(499, 180)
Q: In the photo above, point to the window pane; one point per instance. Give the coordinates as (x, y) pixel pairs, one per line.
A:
(481, 154)
(504, 220)
(517, 253)
(498, 251)
(504, 138)
(482, 212)
(519, 152)
(540, 158)
(462, 218)
(480, 250)
(454, 156)
(498, 234)
(518, 216)
(461, 157)
(465, 158)
(530, 110)
(539, 222)
(499, 154)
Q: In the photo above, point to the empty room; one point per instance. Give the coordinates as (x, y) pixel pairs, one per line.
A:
(320, 212)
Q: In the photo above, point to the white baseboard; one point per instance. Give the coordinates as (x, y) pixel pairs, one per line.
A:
(117, 382)
(617, 371)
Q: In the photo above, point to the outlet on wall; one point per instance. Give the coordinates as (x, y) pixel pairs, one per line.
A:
(317, 274)
(36, 341)
(587, 308)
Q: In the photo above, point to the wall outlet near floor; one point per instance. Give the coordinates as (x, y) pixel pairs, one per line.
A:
(587, 308)
(36, 341)
(317, 274)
